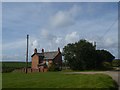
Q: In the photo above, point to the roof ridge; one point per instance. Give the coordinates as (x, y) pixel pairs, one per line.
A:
(48, 55)
(50, 52)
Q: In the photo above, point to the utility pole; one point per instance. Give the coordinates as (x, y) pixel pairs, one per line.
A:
(95, 49)
(27, 55)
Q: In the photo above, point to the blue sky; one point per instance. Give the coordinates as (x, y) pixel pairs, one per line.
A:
(52, 25)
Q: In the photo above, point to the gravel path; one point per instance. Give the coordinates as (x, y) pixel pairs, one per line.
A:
(114, 74)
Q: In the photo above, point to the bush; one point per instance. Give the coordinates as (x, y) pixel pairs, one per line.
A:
(7, 69)
(116, 63)
(54, 67)
(106, 66)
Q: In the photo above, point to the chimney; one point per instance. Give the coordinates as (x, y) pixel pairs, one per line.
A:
(95, 45)
(35, 50)
(58, 49)
(42, 50)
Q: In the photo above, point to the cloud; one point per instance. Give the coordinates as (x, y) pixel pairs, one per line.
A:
(54, 41)
(14, 57)
(72, 37)
(109, 42)
(64, 18)
(49, 40)
(19, 48)
(14, 45)
(104, 42)
(58, 40)
(35, 44)
(47, 35)
(57, 26)
(44, 33)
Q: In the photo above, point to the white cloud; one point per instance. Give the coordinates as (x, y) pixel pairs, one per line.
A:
(74, 10)
(58, 40)
(14, 57)
(61, 19)
(14, 45)
(47, 35)
(64, 18)
(108, 41)
(44, 33)
(72, 37)
(35, 44)
(105, 43)
(54, 41)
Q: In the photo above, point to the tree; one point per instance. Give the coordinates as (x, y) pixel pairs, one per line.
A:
(103, 56)
(80, 55)
(83, 56)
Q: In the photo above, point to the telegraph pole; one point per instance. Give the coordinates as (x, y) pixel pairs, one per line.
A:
(95, 49)
(27, 55)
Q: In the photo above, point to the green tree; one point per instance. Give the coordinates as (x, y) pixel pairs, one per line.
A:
(80, 55)
(103, 56)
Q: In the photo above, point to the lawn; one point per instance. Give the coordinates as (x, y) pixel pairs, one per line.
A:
(56, 80)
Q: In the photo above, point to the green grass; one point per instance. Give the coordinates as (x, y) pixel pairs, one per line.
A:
(10, 66)
(56, 80)
(15, 64)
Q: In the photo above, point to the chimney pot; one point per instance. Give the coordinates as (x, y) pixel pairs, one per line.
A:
(42, 50)
(58, 49)
(35, 50)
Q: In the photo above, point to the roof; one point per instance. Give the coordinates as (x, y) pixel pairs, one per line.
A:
(50, 55)
(47, 55)
(39, 54)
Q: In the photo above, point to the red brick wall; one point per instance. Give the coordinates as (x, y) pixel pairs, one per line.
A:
(58, 59)
(35, 61)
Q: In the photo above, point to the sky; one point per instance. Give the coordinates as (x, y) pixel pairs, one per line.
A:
(51, 25)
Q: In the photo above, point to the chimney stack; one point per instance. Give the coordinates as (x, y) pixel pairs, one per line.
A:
(42, 50)
(35, 50)
(58, 49)
(95, 45)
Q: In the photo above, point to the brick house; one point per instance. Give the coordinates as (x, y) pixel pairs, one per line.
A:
(42, 61)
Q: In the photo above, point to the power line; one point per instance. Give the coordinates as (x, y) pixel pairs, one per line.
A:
(109, 28)
(101, 37)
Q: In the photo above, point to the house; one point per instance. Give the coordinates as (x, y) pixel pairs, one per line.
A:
(42, 61)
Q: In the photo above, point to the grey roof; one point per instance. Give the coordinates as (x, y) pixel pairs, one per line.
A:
(48, 55)
(39, 54)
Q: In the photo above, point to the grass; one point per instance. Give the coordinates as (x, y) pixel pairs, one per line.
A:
(69, 70)
(56, 80)
(10, 66)
(15, 64)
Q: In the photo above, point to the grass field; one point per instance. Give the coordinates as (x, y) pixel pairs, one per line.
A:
(15, 64)
(56, 80)
(10, 66)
